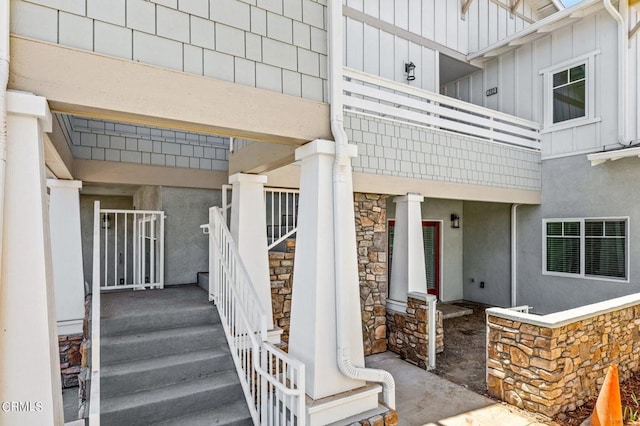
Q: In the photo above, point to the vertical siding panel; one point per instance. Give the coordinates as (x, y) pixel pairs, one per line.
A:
(386, 11)
(464, 92)
(483, 23)
(372, 50)
(477, 88)
(493, 23)
(415, 55)
(463, 32)
(524, 96)
(473, 19)
(355, 44)
(452, 23)
(356, 4)
(440, 17)
(507, 84)
(491, 70)
(386, 55)
(428, 19)
(400, 57)
(402, 14)
(372, 7)
(415, 15)
(503, 16)
(429, 71)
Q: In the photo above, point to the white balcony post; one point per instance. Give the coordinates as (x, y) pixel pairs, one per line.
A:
(313, 314)
(408, 273)
(29, 359)
(66, 254)
(249, 231)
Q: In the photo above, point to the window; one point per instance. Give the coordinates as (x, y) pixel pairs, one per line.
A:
(570, 93)
(589, 248)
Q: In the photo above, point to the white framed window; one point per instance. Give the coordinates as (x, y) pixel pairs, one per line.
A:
(569, 93)
(595, 248)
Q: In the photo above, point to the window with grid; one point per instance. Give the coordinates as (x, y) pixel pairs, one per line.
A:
(569, 94)
(586, 248)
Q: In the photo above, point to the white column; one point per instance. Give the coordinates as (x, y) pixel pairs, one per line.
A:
(408, 272)
(312, 338)
(249, 231)
(66, 254)
(29, 360)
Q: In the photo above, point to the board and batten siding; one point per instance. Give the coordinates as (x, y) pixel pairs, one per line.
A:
(440, 21)
(520, 85)
(273, 45)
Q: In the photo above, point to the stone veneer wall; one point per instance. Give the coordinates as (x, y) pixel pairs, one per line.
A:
(281, 272)
(70, 358)
(409, 332)
(387, 418)
(371, 239)
(551, 370)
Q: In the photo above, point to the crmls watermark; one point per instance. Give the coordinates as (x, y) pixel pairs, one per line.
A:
(21, 406)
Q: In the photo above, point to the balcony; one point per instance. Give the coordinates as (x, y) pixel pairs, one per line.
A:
(409, 132)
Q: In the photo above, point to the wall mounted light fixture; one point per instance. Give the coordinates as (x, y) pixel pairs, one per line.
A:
(410, 69)
(455, 221)
(106, 221)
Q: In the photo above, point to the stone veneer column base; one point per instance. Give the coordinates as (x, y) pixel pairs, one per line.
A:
(70, 359)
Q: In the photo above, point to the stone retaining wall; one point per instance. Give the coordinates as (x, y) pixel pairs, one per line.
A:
(551, 369)
(409, 332)
(388, 418)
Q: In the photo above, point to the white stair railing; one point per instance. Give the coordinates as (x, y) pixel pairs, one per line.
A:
(132, 249)
(282, 214)
(281, 208)
(272, 381)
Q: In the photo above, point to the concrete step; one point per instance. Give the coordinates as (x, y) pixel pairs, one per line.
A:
(230, 415)
(143, 321)
(203, 281)
(143, 345)
(177, 400)
(156, 372)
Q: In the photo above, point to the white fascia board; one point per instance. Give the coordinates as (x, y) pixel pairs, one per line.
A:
(564, 14)
(601, 157)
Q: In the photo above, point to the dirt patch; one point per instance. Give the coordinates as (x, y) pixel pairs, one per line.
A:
(629, 395)
(463, 359)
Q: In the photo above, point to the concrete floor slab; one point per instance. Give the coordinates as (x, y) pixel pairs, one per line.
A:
(423, 398)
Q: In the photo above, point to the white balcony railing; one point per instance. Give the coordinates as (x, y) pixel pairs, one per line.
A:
(383, 98)
(272, 381)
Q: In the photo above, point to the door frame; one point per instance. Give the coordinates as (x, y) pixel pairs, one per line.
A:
(439, 253)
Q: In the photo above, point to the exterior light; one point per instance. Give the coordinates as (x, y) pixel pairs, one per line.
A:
(455, 221)
(106, 221)
(410, 69)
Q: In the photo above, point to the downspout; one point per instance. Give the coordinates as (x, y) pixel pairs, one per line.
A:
(342, 201)
(622, 67)
(514, 254)
(4, 81)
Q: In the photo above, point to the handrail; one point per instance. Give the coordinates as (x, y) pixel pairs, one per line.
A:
(371, 95)
(437, 97)
(272, 382)
(94, 394)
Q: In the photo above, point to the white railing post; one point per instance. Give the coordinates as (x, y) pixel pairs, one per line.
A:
(432, 332)
(94, 395)
(161, 238)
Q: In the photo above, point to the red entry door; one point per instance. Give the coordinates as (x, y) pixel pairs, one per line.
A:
(431, 240)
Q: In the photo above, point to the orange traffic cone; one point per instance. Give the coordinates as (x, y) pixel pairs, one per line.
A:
(608, 409)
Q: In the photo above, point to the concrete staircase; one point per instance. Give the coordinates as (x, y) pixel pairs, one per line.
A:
(165, 361)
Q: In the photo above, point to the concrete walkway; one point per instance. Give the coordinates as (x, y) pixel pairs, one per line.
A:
(423, 398)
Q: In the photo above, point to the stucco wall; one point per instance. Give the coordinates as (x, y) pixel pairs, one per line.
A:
(572, 188)
(451, 278)
(186, 247)
(487, 255)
